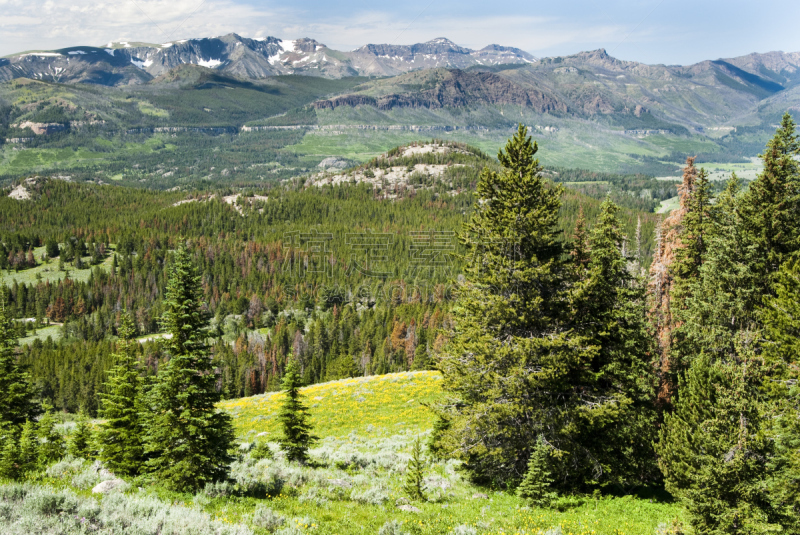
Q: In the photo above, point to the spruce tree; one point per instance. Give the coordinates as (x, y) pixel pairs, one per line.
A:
(781, 318)
(723, 299)
(771, 206)
(415, 473)
(506, 321)
(17, 394)
(713, 450)
(617, 383)
(121, 433)
(188, 439)
(9, 452)
(293, 416)
(80, 441)
(51, 443)
(536, 485)
(28, 448)
(531, 356)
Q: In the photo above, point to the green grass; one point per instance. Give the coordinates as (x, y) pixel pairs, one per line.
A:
(148, 109)
(49, 272)
(387, 402)
(53, 331)
(668, 205)
(379, 416)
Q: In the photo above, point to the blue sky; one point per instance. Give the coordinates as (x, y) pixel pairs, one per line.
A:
(650, 31)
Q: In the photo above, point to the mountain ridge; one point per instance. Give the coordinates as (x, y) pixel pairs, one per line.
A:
(126, 63)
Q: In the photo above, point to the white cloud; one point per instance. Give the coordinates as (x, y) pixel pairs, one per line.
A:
(30, 24)
(661, 35)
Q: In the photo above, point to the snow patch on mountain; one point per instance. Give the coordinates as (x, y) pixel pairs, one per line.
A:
(142, 64)
(211, 63)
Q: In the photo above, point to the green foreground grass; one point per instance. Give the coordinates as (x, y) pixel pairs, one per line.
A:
(380, 416)
(366, 428)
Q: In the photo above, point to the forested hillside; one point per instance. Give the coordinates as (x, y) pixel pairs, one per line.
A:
(283, 268)
(585, 348)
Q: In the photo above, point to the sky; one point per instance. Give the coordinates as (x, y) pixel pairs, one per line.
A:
(649, 31)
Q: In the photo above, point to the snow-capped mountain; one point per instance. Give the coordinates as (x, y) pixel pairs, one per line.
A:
(124, 63)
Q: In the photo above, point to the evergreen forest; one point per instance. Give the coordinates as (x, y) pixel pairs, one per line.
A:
(584, 356)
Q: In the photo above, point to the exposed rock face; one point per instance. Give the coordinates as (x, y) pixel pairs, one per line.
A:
(335, 163)
(43, 128)
(126, 63)
(458, 88)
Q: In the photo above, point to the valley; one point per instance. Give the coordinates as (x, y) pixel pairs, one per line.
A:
(259, 285)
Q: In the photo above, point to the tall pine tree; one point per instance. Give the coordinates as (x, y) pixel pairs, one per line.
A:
(121, 433)
(714, 451)
(524, 360)
(188, 439)
(17, 393)
(297, 436)
(617, 383)
(771, 206)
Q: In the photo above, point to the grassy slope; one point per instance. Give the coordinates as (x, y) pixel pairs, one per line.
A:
(376, 417)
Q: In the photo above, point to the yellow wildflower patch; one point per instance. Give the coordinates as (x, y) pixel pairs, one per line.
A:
(366, 405)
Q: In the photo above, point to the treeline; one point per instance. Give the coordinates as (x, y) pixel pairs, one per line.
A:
(637, 191)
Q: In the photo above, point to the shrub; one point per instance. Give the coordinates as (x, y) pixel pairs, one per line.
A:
(392, 527)
(261, 451)
(373, 495)
(265, 517)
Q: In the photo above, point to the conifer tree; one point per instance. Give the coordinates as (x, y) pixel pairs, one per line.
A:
(618, 381)
(693, 235)
(16, 391)
(505, 321)
(415, 473)
(536, 485)
(722, 300)
(51, 443)
(662, 280)
(580, 247)
(525, 359)
(781, 319)
(187, 437)
(9, 452)
(28, 448)
(771, 206)
(713, 450)
(121, 433)
(80, 441)
(297, 436)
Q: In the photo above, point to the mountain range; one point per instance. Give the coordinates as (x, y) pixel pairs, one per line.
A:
(127, 63)
(588, 110)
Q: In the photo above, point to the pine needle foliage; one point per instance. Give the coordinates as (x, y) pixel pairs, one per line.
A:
(28, 448)
(9, 454)
(293, 416)
(415, 475)
(51, 447)
(771, 206)
(188, 439)
(81, 440)
(714, 451)
(17, 393)
(536, 485)
(121, 433)
(535, 352)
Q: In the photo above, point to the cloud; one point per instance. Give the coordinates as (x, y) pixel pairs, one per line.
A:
(664, 34)
(35, 24)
